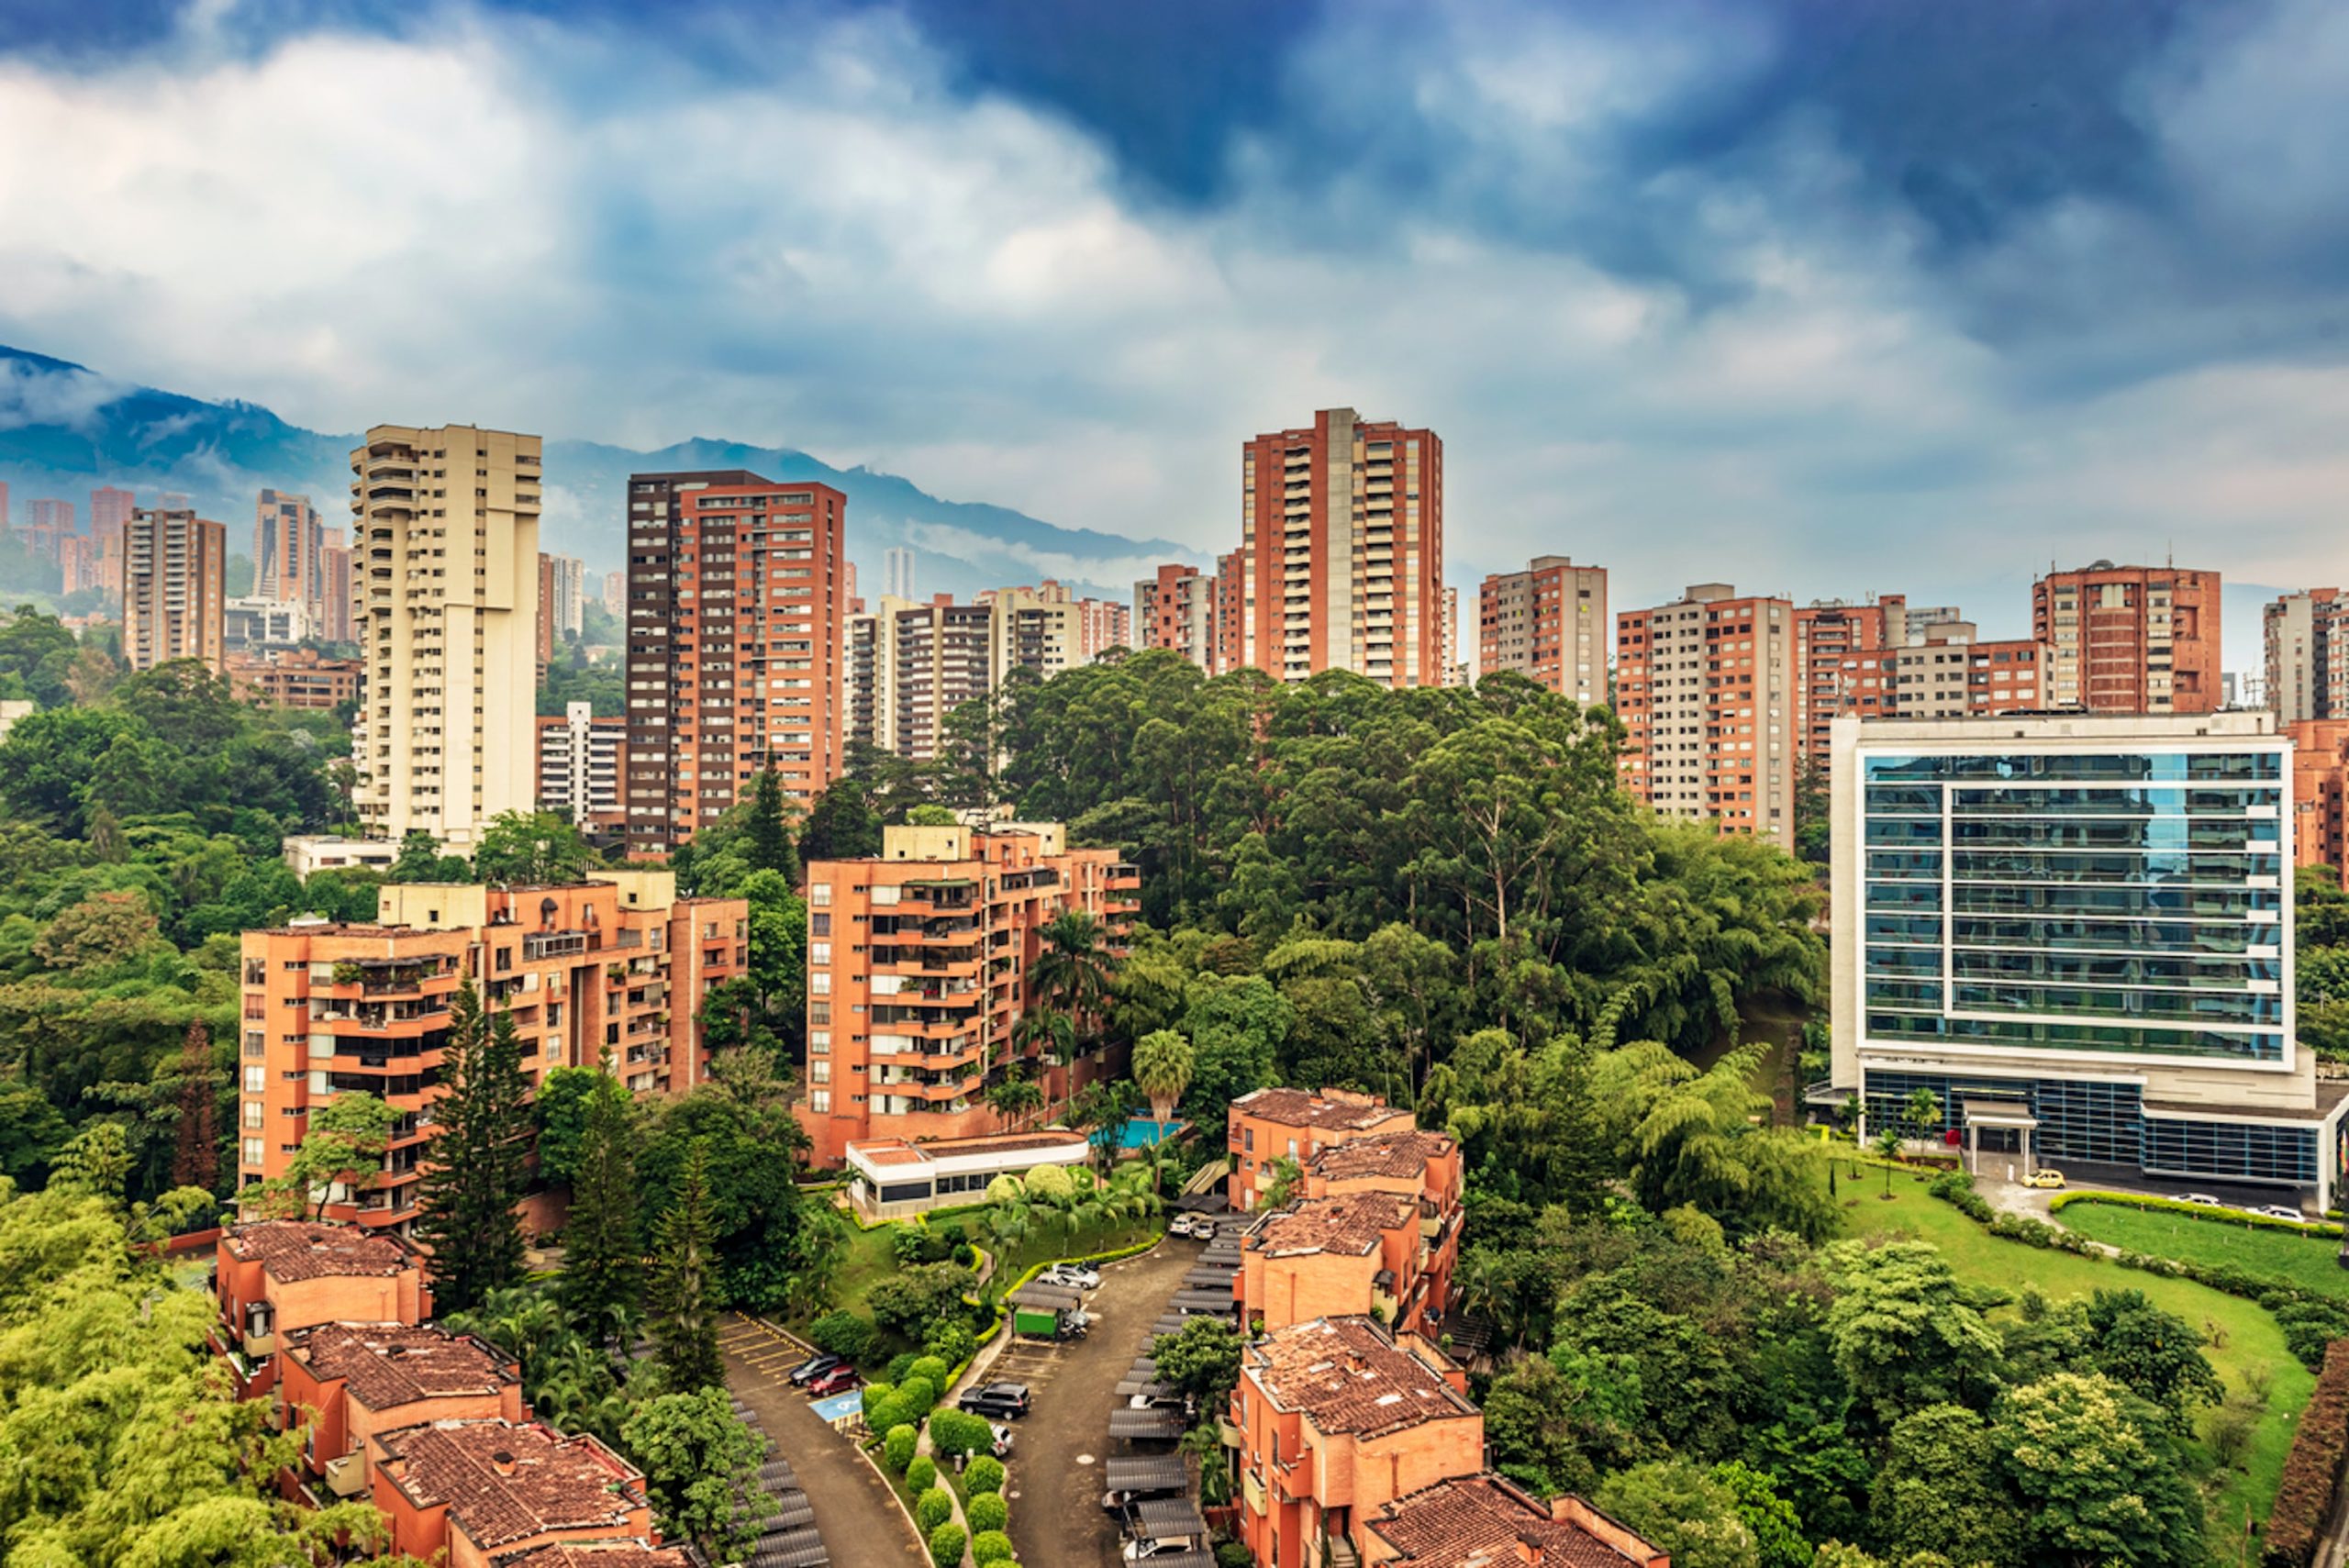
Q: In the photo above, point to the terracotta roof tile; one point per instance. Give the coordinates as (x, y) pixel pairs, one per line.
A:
(302, 1248)
(1346, 1375)
(502, 1481)
(594, 1554)
(1349, 1223)
(1302, 1107)
(388, 1364)
(1381, 1154)
(1476, 1521)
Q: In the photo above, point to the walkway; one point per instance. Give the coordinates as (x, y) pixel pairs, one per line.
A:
(862, 1524)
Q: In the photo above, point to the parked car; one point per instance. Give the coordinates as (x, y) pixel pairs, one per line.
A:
(2205, 1199)
(839, 1380)
(1072, 1276)
(2278, 1211)
(1118, 1501)
(1170, 1400)
(1073, 1325)
(1137, 1550)
(2043, 1177)
(1183, 1225)
(1002, 1444)
(811, 1369)
(1009, 1400)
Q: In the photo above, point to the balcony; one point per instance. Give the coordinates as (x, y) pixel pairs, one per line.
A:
(347, 1476)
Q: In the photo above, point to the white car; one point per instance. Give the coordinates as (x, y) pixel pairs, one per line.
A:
(1181, 1225)
(1002, 1440)
(1074, 1276)
(2205, 1199)
(2278, 1211)
(1136, 1550)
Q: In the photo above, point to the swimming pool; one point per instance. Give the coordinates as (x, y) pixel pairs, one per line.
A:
(1141, 1132)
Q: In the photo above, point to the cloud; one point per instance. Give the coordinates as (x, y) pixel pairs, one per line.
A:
(1818, 305)
(31, 395)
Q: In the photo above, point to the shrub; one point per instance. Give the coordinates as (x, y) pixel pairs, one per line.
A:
(988, 1511)
(1956, 1189)
(2039, 1233)
(843, 1334)
(933, 1369)
(897, 1448)
(959, 1431)
(2201, 1211)
(985, 1474)
(2313, 1469)
(933, 1507)
(1234, 1554)
(946, 1544)
(901, 1366)
(951, 1343)
(887, 1414)
(918, 1393)
(990, 1546)
(921, 1475)
(967, 1254)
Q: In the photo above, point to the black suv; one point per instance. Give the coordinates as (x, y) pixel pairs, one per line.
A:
(1007, 1400)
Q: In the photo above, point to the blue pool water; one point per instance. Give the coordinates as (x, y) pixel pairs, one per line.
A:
(1141, 1132)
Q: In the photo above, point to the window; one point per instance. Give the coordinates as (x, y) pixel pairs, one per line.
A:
(820, 1041)
(253, 1152)
(819, 983)
(820, 1101)
(820, 925)
(253, 1113)
(256, 1079)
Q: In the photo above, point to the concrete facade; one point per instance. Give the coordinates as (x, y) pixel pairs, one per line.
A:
(1549, 623)
(174, 588)
(1705, 687)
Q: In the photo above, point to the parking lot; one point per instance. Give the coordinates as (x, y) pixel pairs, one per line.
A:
(860, 1520)
(1056, 1470)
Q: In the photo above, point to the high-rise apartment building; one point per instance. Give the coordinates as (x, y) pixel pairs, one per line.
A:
(910, 666)
(1844, 663)
(46, 522)
(2076, 930)
(2321, 793)
(1548, 623)
(916, 967)
(445, 524)
(581, 762)
(174, 588)
(289, 545)
(1342, 551)
(1047, 629)
(77, 563)
(618, 964)
(897, 572)
(1705, 687)
(1230, 612)
(1944, 671)
(561, 602)
(110, 509)
(2129, 638)
(2307, 638)
(334, 570)
(736, 626)
(1175, 608)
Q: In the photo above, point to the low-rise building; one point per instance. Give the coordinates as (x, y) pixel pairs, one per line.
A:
(306, 854)
(276, 1278)
(343, 1384)
(595, 1553)
(487, 1491)
(296, 677)
(1486, 1521)
(583, 770)
(891, 1179)
(1296, 1124)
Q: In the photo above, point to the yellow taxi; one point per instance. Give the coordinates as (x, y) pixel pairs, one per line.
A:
(2043, 1177)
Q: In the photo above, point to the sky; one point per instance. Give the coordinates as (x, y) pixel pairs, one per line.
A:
(1822, 297)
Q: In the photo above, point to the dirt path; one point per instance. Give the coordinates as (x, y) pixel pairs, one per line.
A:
(855, 1512)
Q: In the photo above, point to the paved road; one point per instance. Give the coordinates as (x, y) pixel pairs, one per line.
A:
(860, 1520)
(1056, 1517)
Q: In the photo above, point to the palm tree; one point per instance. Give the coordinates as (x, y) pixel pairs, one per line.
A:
(1163, 1062)
(1071, 975)
(1013, 1098)
(1925, 1111)
(1887, 1143)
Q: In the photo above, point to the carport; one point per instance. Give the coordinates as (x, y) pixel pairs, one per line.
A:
(1188, 1302)
(1157, 1426)
(1136, 1387)
(1167, 1518)
(2003, 1114)
(1160, 1473)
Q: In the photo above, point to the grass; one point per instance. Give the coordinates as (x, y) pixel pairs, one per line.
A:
(872, 1255)
(2306, 1260)
(2244, 1338)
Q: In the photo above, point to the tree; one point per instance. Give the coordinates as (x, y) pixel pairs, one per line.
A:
(843, 826)
(701, 1470)
(1681, 1509)
(1924, 1111)
(560, 1110)
(195, 1157)
(1014, 1098)
(603, 1265)
(2097, 1480)
(478, 1155)
(532, 849)
(420, 860)
(683, 1290)
(1201, 1360)
(2155, 1354)
(101, 931)
(1776, 1531)
(1162, 1066)
(1071, 973)
(1279, 1179)
(1906, 1333)
(770, 832)
(1939, 1489)
(1887, 1147)
(344, 1147)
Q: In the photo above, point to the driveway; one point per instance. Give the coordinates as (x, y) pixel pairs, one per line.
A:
(1056, 1478)
(855, 1512)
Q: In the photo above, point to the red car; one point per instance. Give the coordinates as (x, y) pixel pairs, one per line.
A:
(839, 1380)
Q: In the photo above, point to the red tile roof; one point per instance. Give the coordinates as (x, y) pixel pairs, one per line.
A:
(1474, 1521)
(303, 1249)
(504, 1481)
(594, 1554)
(1381, 1154)
(386, 1365)
(1349, 1223)
(1301, 1107)
(1346, 1375)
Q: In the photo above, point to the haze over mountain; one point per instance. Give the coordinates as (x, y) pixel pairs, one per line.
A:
(66, 428)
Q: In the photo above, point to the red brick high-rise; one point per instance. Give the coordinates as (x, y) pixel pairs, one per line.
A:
(1175, 608)
(1550, 624)
(1705, 689)
(174, 588)
(1844, 663)
(1342, 551)
(289, 552)
(737, 621)
(2129, 638)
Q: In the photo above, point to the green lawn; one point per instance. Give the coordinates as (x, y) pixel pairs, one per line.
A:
(2307, 1261)
(871, 1255)
(2243, 1338)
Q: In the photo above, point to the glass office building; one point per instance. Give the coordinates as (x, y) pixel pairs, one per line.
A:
(2076, 932)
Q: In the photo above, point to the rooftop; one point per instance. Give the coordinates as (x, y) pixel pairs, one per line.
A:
(1382, 1154)
(304, 1248)
(594, 1554)
(900, 1151)
(387, 1365)
(1474, 1520)
(1336, 1110)
(1346, 1375)
(502, 1481)
(1351, 1223)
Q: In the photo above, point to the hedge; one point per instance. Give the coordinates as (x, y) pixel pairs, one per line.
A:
(1956, 1188)
(900, 1367)
(843, 1334)
(959, 1431)
(985, 1474)
(933, 1508)
(2206, 1212)
(897, 1448)
(2313, 1469)
(988, 1511)
(990, 1546)
(921, 1475)
(946, 1543)
(2311, 1321)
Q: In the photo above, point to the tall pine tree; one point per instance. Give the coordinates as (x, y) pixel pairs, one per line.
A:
(769, 846)
(195, 1154)
(603, 1265)
(684, 1313)
(477, 1158)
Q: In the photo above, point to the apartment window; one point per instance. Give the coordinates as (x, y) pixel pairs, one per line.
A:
(819, 985)
(253, 1113)
(820, 953)
(253, 1152)
(256, 1079)
(820, 1101)
(819, 1041)
(820, 925)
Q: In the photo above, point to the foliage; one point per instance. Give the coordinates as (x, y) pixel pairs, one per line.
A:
(946, 1543)
(990, 1546)
(773, 1246)
(988, 1511)
(529, 848)
(1906, 1332)
(1939, 1490)
(2097, 1479)
(843, 826)
(897, 1445)
(1777, 1531)
(985, 1473)
(2312, 1471)
(682, 1294)
(701, 1466)
(1162, 1066)
(845, 1334)
(770, 848)
(477, 1170)
(2234, 1218)
(1200, 1359)
(1683, 1511)
(932, 1507)
(921, 1475)
(603, 1265)
(343, 1150)
(915, 1298)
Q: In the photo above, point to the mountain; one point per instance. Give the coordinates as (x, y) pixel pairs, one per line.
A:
(64, 429)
